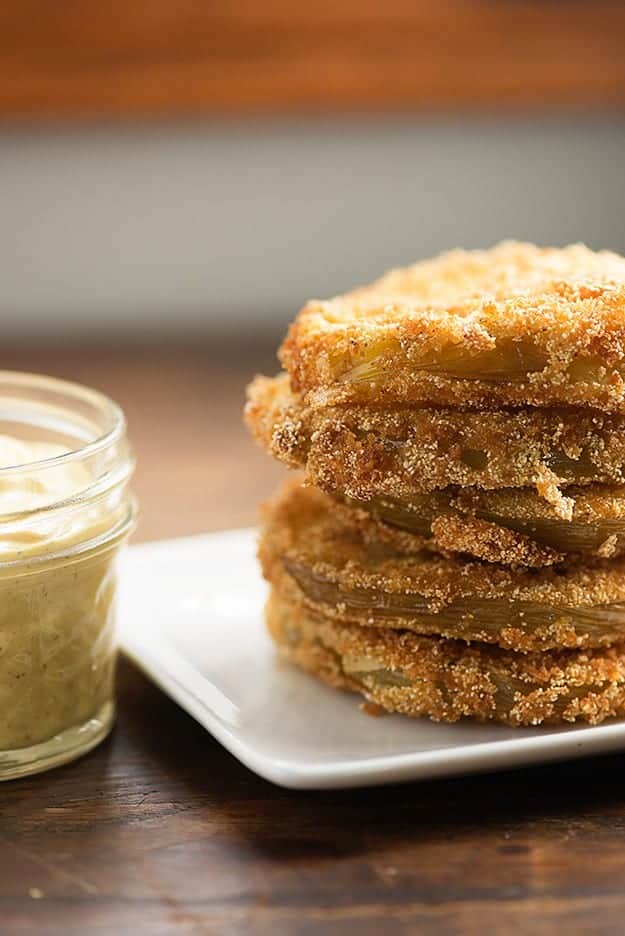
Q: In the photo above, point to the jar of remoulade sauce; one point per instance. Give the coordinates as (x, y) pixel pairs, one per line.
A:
(65, 512)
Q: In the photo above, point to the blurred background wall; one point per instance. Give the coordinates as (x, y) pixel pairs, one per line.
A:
(201, 168)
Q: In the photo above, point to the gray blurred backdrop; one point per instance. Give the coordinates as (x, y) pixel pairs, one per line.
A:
(231, 225)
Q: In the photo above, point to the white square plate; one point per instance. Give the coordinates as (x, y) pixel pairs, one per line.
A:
(191, 618)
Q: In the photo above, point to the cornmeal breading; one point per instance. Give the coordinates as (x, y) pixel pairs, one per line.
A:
(517, 325)
(513, 526)
(446, 679)
(311, 555)
(455, 545)
(449, 533)
(398, 451)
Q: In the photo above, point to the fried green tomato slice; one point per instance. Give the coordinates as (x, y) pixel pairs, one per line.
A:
(510, 526)
(447, 679)
(365, 452)
(515, 325)
(308, 552)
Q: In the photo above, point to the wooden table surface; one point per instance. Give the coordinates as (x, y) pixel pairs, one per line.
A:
(161, 831)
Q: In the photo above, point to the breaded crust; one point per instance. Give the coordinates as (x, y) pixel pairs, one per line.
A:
(370, 451)
(514, 325)
(513, 526)
(309, 553)
(450, 534)
(446, 679)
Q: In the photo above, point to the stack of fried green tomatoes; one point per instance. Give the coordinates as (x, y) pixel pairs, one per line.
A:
(453, 543)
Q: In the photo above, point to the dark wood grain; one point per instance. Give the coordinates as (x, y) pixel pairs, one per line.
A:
(160, 831)
(154, 57)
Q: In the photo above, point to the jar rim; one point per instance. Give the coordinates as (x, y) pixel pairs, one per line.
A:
(82, 549)
(111, 412)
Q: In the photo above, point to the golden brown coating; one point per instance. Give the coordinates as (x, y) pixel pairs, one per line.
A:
(516, 324)
(310, 554)
(447, 534)
(513, 526)
(366, 451)
(446, 679)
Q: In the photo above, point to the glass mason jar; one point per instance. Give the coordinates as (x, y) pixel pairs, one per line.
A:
(65, 511)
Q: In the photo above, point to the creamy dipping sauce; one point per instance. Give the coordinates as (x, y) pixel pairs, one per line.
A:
(64, 513)
(33, 488)
(56, 628)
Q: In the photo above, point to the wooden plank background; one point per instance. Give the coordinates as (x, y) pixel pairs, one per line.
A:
(142, 58)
